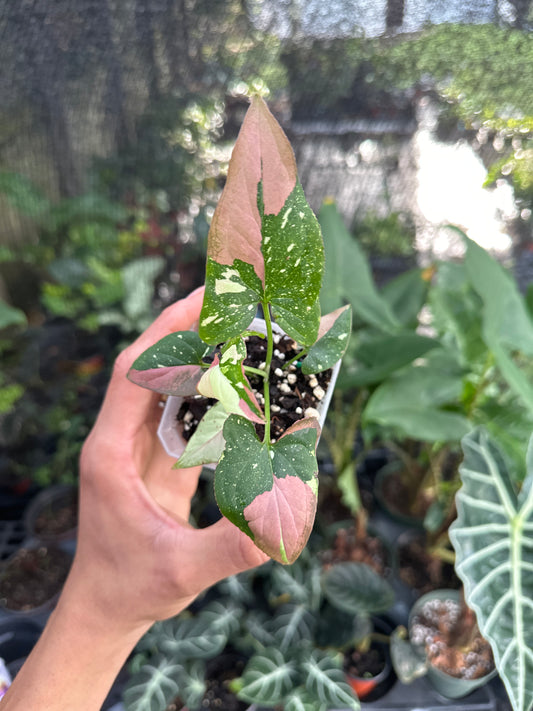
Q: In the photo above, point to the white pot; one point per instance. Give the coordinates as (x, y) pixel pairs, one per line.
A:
(168, 432)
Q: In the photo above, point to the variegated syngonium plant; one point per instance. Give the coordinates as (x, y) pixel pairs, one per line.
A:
(264, 248)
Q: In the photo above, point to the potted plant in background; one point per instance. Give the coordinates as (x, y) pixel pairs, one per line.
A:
(264, 249)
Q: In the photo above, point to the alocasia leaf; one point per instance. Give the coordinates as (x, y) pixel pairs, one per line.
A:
(267, 678)
(326, 681)
(493, 540)
(269, 490)
(333, 337)
(172, 366)
(264, 243)
(207, 443)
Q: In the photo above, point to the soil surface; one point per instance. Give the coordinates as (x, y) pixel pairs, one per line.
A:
(32, 577)
(292, 394)
(421, 571)
(364, 665)
(451, 639)
(347, 547)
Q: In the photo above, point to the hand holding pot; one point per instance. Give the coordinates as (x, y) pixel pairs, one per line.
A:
(137, 559)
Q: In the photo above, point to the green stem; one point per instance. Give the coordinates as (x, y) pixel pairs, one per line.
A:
(256, 371)
(268, 363)
(295, 358)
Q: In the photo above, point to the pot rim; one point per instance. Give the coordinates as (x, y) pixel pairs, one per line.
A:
(171, 439)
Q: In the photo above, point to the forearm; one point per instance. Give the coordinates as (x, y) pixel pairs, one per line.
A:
(74, 663)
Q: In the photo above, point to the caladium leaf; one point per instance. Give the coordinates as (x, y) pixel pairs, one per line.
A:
(357, 588)
(234, 396)
(207, 443)
(333, 337)
(154, 686)
(493, 541)
(172, 366)
(326, 682)
(267, 678)
(264, 243)
(269, 490)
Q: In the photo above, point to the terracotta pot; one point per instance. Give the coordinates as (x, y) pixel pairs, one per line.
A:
(168, 432)
(449, 686)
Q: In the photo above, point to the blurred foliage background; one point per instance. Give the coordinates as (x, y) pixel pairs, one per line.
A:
(116, 127)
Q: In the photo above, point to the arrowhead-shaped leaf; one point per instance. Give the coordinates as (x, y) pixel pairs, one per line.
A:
(334, 334)
(264, 242)
(269, 490)
(172, 366)
(207, 443)
(493, 541)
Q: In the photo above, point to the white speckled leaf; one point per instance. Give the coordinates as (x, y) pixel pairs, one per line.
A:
(232, 294)
(294, 264)
(172, 366)
(269, 490)
(493, 540)
(334, 335)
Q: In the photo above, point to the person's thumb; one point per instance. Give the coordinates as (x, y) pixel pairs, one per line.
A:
(224, 550)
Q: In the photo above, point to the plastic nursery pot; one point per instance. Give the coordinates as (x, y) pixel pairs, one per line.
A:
(449, 686)
(168, 431)
(370, 688)
(32, 578)
(384, 478)
(52, 516)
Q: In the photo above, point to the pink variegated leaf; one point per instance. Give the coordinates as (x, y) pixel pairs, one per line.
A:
(270, 490)
(172, 366)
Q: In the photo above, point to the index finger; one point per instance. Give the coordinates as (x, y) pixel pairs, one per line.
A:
(127, 405)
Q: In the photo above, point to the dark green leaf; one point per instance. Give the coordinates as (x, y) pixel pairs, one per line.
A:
(172, 365)
(294, 261)
(332, 343)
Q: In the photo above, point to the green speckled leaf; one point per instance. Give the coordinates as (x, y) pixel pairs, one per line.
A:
(332, 343)
(172, 366)
(493, 541)
(294, 262)
(232, 294)
(269, 490)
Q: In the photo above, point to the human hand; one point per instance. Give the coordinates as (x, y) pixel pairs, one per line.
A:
(137, 558)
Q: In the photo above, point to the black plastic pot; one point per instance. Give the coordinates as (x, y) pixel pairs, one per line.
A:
(51, 516)
(373, 688)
